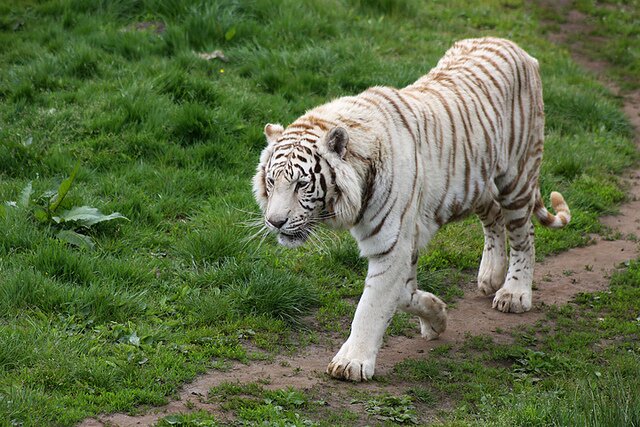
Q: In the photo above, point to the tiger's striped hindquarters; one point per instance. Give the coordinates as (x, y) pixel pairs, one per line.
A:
(394, 165)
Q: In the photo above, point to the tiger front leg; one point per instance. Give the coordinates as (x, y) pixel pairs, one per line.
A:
(383, 289)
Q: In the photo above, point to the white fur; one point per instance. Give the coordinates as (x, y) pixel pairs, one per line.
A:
(417, 158)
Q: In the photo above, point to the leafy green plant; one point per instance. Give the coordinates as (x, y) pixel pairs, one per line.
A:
(68, 223)
(197, 419)
(535, 364)
(255, 406)
(392, 408)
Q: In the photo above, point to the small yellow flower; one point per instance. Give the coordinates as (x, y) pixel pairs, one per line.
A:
(222, 70)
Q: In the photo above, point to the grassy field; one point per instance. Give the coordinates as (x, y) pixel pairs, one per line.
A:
(613, 34)
(170, 141)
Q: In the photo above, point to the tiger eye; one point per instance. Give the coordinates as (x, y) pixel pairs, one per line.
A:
(301, 185)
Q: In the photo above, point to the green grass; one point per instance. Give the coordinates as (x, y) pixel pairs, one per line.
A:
(171, 141)
(577, 367)
(613, 35)
(252, 405)
(582, 372)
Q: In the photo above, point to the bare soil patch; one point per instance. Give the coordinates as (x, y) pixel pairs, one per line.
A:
(557, 280)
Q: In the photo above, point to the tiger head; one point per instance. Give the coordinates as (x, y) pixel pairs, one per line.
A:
(303, 178)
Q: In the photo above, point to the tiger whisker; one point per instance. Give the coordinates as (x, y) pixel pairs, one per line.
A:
(251, 223)
(332, 235)
(318, 237)
(253, 236)
(325, 230)
(313, 240)
(246, 212)
(264, 236)
(327, 215)
(320, 244)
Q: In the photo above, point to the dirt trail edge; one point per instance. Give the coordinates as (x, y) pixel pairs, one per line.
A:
(557, 280)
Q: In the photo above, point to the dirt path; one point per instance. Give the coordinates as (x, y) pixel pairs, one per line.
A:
(557, 280)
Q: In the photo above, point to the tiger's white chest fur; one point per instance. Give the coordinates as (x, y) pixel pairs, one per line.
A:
(393, 166)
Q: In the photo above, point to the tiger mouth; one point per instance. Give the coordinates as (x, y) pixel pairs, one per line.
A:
(292, 239)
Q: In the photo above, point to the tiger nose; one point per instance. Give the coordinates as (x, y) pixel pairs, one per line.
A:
(277, 223)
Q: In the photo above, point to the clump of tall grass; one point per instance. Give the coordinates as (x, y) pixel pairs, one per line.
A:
(272, 293)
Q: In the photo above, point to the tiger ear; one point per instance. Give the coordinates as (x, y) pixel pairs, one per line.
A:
(273, 132)
(337, 140)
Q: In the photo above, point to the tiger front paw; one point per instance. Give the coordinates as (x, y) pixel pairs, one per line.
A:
(356, 370)
(512, 301)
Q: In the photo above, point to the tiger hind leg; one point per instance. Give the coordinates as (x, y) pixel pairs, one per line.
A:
(515, 295)
(493, 267)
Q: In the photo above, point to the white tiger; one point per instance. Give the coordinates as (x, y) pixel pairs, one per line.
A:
(393, 166)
